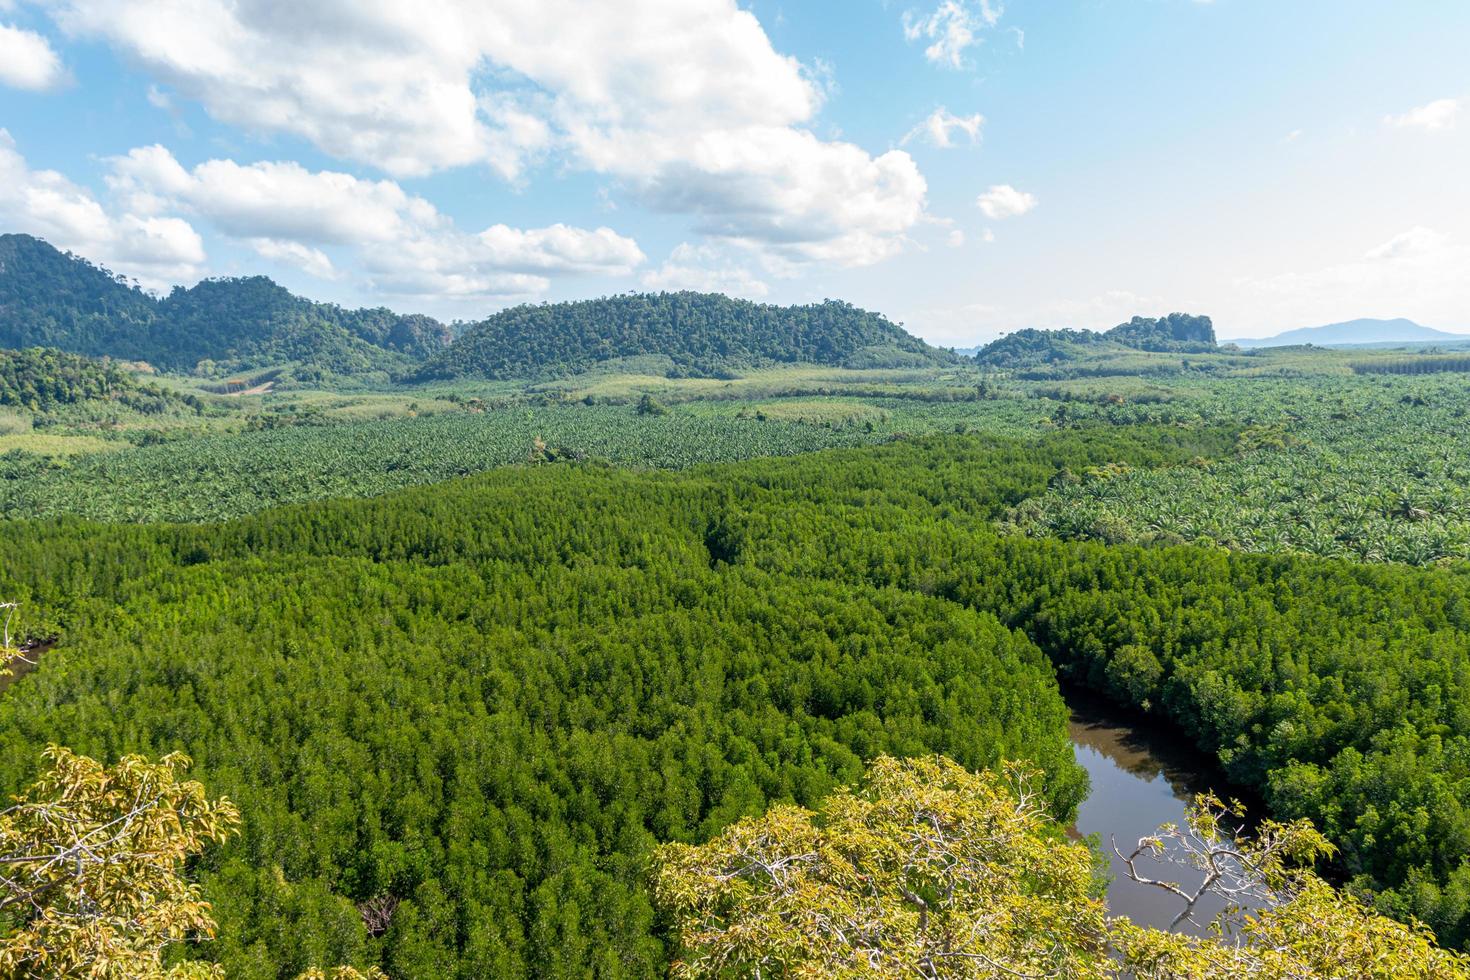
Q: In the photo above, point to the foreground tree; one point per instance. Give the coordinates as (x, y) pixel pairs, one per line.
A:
(928, 870)
(935, 872)
(91, 862)
(1302, 927)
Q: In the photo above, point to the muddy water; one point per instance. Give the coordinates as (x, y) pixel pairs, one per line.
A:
(19, 668)
(1142, 776)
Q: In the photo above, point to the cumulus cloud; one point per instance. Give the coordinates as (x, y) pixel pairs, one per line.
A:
(794, 196)
(27, 61)
(404, 243)
(941, 125)
(685, 104)
(1004, 201)
(1436, 115)
(705, 268)
(157, 250)
(951, 29)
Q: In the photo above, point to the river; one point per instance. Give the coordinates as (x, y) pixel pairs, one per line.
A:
(1143, 775)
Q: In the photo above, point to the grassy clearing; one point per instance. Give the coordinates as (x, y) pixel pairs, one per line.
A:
(48, 444)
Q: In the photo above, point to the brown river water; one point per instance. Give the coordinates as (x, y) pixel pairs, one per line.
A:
(1142, 775)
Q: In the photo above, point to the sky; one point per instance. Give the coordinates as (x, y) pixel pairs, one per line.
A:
(966, 167)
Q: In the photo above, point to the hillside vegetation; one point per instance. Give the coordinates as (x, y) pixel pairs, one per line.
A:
(700, 333)
(52, 299)
(40, 380)
(220, 326)
(1177, 332)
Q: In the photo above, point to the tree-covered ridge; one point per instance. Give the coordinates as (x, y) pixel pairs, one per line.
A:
(1030, 347)
(253, 319)
(51, 299)
(40, 380)
(1177, 332)
(703, 333)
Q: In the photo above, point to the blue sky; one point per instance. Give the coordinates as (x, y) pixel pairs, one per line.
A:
(965, 167)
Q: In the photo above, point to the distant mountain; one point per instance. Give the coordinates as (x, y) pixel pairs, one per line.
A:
(701, 333)
(1357, 332)
(1177, 332)
(52, 299)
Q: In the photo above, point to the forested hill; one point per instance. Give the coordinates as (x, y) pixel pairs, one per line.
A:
(254, 321)
(40, 379)
(702, 333)
(1175, 332)
(52, 299)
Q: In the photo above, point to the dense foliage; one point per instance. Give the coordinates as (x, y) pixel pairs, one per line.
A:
(1028, 347)
(1429, 363)
(926, 870)
(930, 871)
(703, 333)
(51, 299)
(92, 857)
(252, 321)
(487, 700)
(1374, 470)
(214, 477)
(39, 380)
(1177, 332)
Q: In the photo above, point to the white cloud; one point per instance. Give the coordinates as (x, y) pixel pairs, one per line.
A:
(793, 196)
(157, 250)
(956, 238)
(1437, 115)
(27, 61)
(685, 104)
(941, 123)
(1417, 241)
(1004, 201)
(405, 245)
(705, 269)
(951, 29)
(312, 261)
(1419, 273)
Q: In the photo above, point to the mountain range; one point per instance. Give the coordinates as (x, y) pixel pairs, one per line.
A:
(222, 326)
(52, 299)
(1358, 333)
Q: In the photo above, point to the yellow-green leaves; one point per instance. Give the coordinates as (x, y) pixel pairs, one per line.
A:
(927, 870)
(90, 868)
(1318, 932)
(930, 871)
